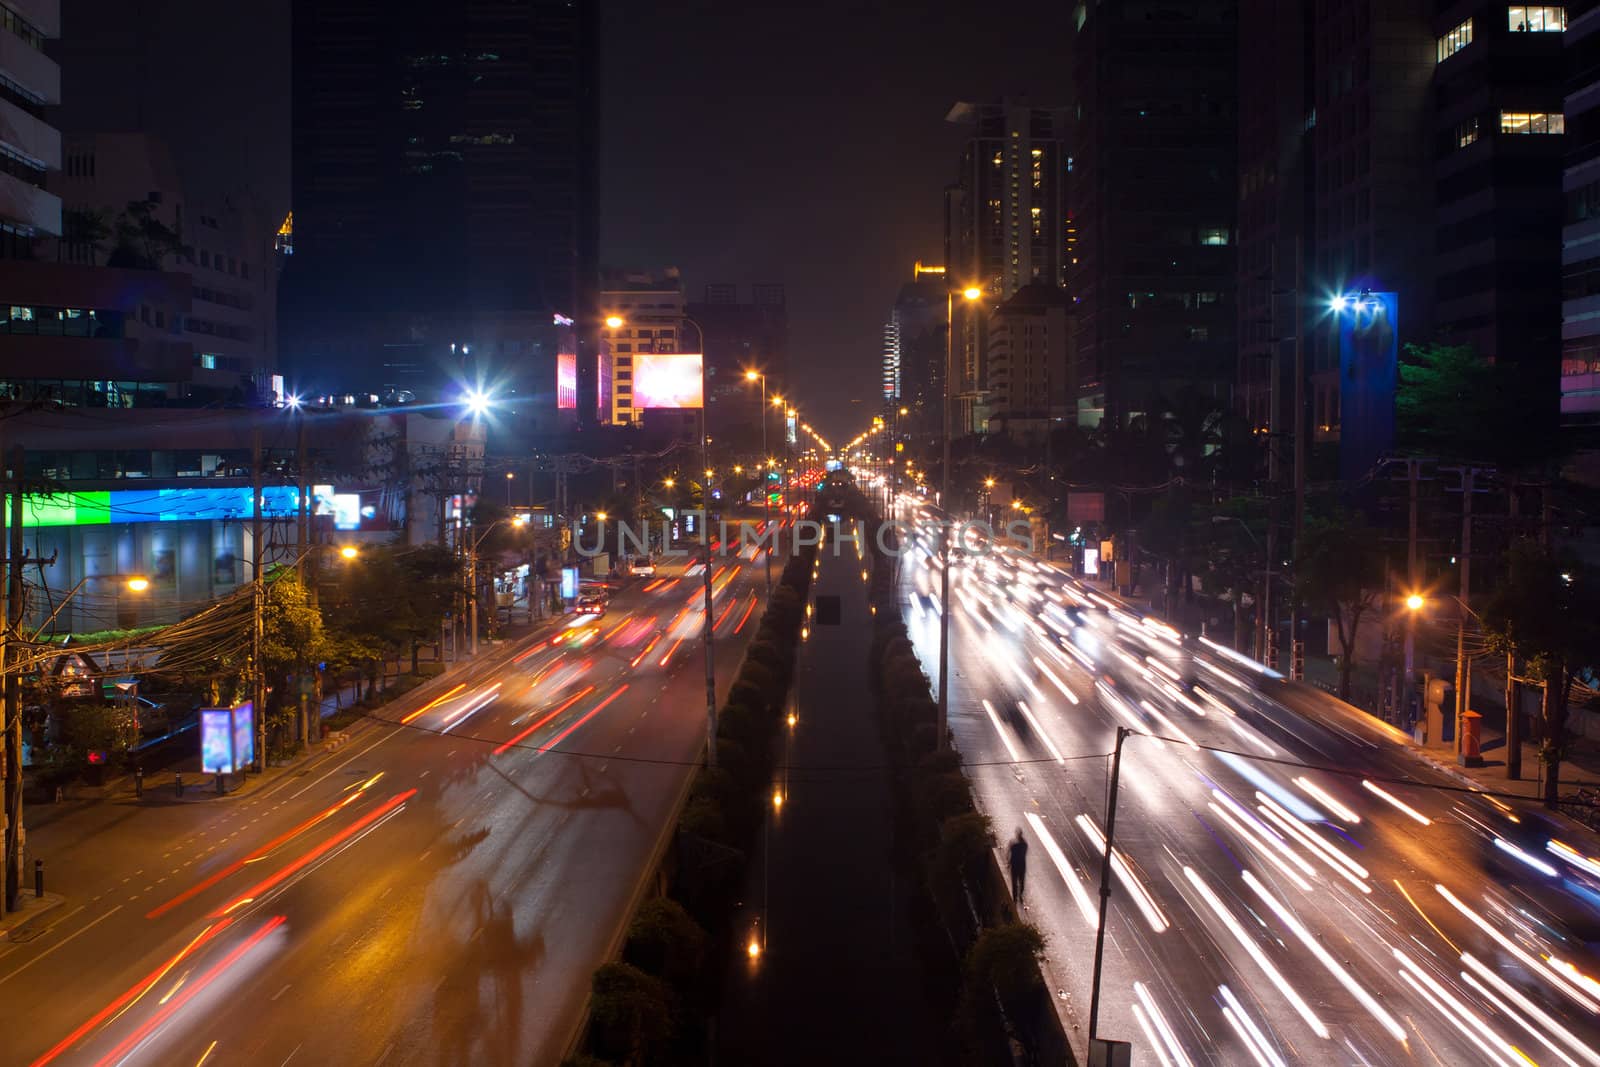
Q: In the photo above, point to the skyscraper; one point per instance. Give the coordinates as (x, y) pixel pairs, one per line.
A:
(1580, 252)
(443, 182)
(914, 351)
(32, 148)
(1153, 192)
(1005, 223)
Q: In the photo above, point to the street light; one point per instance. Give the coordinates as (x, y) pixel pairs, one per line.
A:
(614, 322)
(510, 476)
(766, 497)
(1414, 602)
(969, 294)
(349, 552)
(138, 583)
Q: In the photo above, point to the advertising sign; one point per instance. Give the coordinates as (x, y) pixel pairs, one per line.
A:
(1086, 508)
(1368, 377)
(791, 429)
(567, 380)
(1091, 562)
(667, 380)
(216, 740)
(244, 736)
(569, 583)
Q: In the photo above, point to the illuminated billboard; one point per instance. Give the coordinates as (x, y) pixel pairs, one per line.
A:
(566, 380)
(1368, 378)
(101, 508)
(791, 431)
(667, 380)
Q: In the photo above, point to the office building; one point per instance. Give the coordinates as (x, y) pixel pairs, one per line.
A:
(1029, 359)
(914, 351)
(1005, 223)
(443, 185)
(1580, 235)
(30, 148)
(740, 336)
(650, 305)
(1153, 192)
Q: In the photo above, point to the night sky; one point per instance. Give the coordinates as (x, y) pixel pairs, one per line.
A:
(796, 143)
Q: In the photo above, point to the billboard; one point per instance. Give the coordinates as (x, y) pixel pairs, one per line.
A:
(227, 739)
(1368, 377)
(566, 380)
(791, 429)
(667, 380)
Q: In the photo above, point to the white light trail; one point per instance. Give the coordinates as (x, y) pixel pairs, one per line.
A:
(1274, 844)
(1516, 997)
(1249, 945)
(1516, 853)
(1337, 861)
(1565, 851)
(1249, 1033)
(1168, 1038)
(1396, 802)
(1016, 757)
(1168, 725)
(1055, 680)
(1080, 895)
(1039, 732)
(1141, 896)
(1457, 1013)
(1344, 977)
(1323, 797)
(1552, 974)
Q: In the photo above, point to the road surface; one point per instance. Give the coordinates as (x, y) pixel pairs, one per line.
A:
(1368, 911)
(438, 891)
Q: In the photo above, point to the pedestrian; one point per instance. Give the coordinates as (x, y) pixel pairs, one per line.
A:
(1018, 861)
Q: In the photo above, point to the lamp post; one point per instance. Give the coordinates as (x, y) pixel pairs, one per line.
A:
(510, 476)
(766, 498)
(969, 294)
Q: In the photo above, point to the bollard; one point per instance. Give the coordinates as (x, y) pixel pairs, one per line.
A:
(219, 783)
(38, 878)
(138, 782)
(179, 778)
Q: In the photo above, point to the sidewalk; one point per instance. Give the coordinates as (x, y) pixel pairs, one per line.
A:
(838, 978)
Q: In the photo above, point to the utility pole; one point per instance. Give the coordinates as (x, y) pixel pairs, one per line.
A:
(1463, 663)
(1297, 645)
(258, 676)
(944, 532)
(1105, 888)
(307, 556)
(1414, 581)
(705, 537)
(15, 834)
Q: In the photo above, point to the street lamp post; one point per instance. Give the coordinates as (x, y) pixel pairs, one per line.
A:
(766, 498)
(969, 294)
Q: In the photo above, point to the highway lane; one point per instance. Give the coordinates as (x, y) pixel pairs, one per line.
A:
(439, 890)
(1268, 913)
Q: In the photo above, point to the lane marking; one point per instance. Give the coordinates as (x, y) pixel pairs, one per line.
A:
(70, 937)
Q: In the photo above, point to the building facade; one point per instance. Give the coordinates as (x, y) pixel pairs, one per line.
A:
(915, 360)
(743, 335)
(1029, 358)
(1153, 194)
(30, 147)
(651, 307)
(1580, 234)
(443, 175)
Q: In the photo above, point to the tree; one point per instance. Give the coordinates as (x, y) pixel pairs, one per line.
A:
(144, 242)
(1547, 612)
(1339, 570)
(292, 638)
(1455, 404)
(1234, 561)
(84, 227)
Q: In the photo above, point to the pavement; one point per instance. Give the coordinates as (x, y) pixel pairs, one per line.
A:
(838, 976)
(436, 890)
(1296, 883)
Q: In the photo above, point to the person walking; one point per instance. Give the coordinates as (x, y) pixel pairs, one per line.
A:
(1018, 862)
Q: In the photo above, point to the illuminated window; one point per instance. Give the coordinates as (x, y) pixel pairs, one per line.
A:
(1467, 133)
(1525, 18)
(1214, 235)
(1532, 122)
(1456, 40)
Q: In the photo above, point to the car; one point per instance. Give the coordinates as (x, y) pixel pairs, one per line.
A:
(642, 567)
(593, 604)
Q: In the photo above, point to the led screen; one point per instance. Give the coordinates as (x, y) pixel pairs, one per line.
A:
(566, 380)
(667, 380)
(216, 741)
(244, 736)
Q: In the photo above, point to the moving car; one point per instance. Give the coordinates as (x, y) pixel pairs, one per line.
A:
(642, 567)
(592, 604)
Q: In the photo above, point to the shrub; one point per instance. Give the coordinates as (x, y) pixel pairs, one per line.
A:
(665, 941)
(965, 842)
(630, 1015)
(942, 795)
(703, 817)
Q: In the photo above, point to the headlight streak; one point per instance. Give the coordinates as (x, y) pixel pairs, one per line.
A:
(471, 709)
(1457, 1013)
(1396, 803)
(1150, 1035)
(1141, 896)
(1342, 865)
(1566, 852)
(1344, 977)
(1276, 852)
(1039, 732)
(436, 702)
(1322, 797)
(1167, 725)
(1516, 853)
(1249, 945)
(1168, 1038)
(1516, 997)
(1265, 1055)
(1016, 757)
(1080, 894)
(1055, 680)
(1548, 971)
(503, 748)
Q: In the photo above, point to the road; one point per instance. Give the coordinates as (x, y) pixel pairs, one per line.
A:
(438, 891)
(1368, 910)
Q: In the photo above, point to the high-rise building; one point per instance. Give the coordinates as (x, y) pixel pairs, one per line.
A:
(914, 351)
(741, 336)
(443, 183)
(31, 146)
(1580, 236)
(1152, 187)
(1005, 222)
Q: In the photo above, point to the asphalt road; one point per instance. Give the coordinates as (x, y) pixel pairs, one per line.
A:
(1265, 912)
(438, 891)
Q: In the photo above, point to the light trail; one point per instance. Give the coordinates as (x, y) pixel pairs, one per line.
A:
(524, 734)
(435, 703)
(1080, 895)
